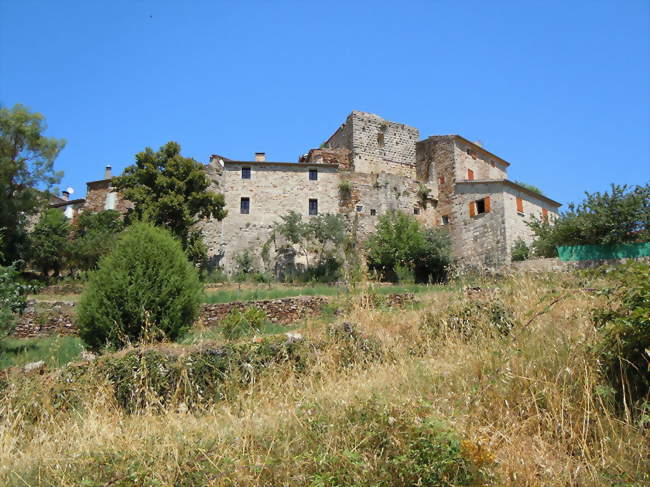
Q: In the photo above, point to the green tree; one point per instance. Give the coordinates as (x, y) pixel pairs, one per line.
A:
(619, 216)
(95, 234)
(435, 256)
(520, 251)
(26, 174)
(171, 190)
(144, 290)
(294, 231)
(13, 298)
(397, 241)
(48, 242)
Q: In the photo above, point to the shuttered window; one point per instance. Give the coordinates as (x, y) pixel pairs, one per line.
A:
(545, 214)
(520, 205)
(470, 175)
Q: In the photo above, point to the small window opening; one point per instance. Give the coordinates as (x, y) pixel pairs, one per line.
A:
(313, 207)
(480, 207)
(245, 206)
(520, 205)
(373, 212)
(416, 211)
(359, 208)
(441, 180)
(313, 174)
(245, 172)
(380, 139)
(445, 219)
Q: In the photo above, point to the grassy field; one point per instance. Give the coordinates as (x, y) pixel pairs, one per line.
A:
(230, 295)
(495, 387)
(54, 351)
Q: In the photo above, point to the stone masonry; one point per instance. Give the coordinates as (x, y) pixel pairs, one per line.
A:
(367, 167)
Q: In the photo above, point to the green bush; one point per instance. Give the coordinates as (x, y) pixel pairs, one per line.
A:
(400, 242)
(144, 290)
(624, 326)
(49, 244)
(95, 235)
(239, 323)
(520, 251)
(12, 298)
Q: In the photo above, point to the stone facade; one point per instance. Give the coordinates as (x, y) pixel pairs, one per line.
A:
(367, 167)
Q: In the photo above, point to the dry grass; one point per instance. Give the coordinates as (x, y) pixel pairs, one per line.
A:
(528, 407)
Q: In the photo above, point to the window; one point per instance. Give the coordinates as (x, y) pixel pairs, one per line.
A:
(245, 172)
(111, 200)
(359, 208)
(470, 175)
(445, 219)
(441, 180)
(479, 207)
(313, 207)
(520, 205)
(416, 211)
(313, 174)
(545, 215)
(373, 212)
(245, 206)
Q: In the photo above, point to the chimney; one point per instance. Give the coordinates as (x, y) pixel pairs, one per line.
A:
(260, 156)
(107, 173)
(65, 195)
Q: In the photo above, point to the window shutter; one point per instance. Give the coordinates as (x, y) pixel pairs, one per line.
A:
(487, 204)
(520, 205)
(472, 209)
(470, 175)
(545, 214)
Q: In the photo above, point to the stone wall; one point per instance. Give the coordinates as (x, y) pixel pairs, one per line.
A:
(274, 189)
(468, 156)
(375, 194)
(515, 221)
(479, 239)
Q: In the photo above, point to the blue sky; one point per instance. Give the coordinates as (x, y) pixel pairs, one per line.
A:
(559, 89)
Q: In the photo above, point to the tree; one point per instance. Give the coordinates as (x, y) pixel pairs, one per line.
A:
(601, 219)
(48, 242)
(144, 290)
(13, 298)
(520, 251)
(26, 174)
(95, 234)
(171, 190)
(401, 243)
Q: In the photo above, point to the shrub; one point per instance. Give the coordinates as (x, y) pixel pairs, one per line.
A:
(145, 289)
(95, 236)
(49, 244)
(12, 298)
(345, 189)
(624, 325)
(520, 251)
(239, 323)
(400, 241)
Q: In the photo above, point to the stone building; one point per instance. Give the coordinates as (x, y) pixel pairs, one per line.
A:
(367, 167)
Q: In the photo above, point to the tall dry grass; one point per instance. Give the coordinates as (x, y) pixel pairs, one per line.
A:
(527, 406)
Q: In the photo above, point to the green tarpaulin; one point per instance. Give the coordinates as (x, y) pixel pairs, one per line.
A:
(597, 252)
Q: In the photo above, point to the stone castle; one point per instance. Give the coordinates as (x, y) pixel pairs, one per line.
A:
(367, 167)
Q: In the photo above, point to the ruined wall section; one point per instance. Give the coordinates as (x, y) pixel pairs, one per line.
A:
(342, 157)
(372, 195)
(379, 145)
(436, 167)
